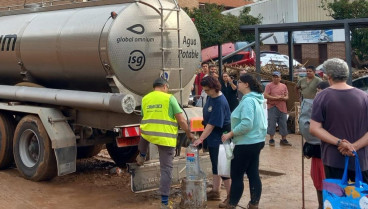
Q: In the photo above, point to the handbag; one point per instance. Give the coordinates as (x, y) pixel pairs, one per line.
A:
(223, 164)
(339, 194)
(311, 150)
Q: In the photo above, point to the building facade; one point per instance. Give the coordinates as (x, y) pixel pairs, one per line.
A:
(19, 3)
(311, 47)
(182, 3)
(311, 11)
(228, 4)
(189, 3)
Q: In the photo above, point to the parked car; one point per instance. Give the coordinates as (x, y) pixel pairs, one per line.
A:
(361, 83)
(241, 58)
(244, 57)
(275, 58)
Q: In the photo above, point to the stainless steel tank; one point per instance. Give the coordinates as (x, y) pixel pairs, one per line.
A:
(78, 48)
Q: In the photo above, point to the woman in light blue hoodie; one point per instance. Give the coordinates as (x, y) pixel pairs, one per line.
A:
(249, 128)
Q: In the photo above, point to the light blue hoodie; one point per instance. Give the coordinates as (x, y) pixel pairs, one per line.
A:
(248, 120)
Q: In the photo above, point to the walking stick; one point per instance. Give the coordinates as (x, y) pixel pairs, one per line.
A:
(303, 207)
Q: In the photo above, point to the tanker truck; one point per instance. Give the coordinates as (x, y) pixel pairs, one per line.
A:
(72, 77)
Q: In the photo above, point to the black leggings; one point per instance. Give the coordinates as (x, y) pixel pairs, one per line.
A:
(246, 160)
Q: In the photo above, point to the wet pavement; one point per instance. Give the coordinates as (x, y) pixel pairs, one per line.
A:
(281, 175)
(98, 184)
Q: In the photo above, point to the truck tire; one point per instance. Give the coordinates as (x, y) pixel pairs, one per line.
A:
(7, 127)
(33, 154)
(88, 151)
(122, 155)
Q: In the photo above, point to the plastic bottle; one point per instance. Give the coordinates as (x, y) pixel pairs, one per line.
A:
(192, 163)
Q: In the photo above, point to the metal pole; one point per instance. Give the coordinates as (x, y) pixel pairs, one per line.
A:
(303, 206)
(220, 60)
(258, 58)
(348, 50)
(291, 54)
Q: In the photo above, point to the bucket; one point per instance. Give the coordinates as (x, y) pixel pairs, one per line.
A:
(193, 194)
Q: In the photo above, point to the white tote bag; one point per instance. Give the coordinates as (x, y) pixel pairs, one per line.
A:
(223, 164)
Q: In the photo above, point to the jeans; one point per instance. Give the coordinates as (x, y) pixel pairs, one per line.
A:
(246, 160)
(276, 116)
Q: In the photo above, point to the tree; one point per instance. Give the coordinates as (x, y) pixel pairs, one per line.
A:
(215, 28)
(347, 9)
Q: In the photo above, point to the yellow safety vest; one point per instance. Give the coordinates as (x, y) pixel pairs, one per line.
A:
(156, 126)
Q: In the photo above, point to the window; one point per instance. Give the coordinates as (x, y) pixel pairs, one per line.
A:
(274, 48)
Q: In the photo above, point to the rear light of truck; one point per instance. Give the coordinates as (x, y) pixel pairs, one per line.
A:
(128, 131)
(131, 131)
(128, 136)
(196, 124)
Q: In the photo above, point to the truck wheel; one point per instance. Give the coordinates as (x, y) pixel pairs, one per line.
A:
(33, 154)
(7, 127)
(88, 151)
(122, 155)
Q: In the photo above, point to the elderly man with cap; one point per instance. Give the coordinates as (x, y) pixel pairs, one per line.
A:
(276, 94)
(161, 116)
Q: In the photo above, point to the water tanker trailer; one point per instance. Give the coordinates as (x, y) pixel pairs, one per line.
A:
(72, 77)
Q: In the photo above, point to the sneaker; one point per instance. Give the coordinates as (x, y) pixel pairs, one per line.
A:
(284, 142)
(271, 142)
(213, 195)
(140, 160)
(224, 203)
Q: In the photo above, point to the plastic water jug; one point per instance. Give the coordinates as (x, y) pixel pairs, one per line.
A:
(192, 163)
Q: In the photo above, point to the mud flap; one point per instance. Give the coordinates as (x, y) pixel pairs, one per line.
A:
(147, 177)
(66, 160)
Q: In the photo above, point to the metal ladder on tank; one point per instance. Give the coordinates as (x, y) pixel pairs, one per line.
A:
(165, 50)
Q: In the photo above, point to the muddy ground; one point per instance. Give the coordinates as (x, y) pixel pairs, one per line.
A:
(96, 185)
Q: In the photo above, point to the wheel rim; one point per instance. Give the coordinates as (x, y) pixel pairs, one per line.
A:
(29, 148)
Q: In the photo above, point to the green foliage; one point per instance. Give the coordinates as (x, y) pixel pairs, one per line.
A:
(215, 28)
(348, 9)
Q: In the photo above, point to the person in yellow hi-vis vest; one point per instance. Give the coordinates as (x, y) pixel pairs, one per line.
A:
(161, 116)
